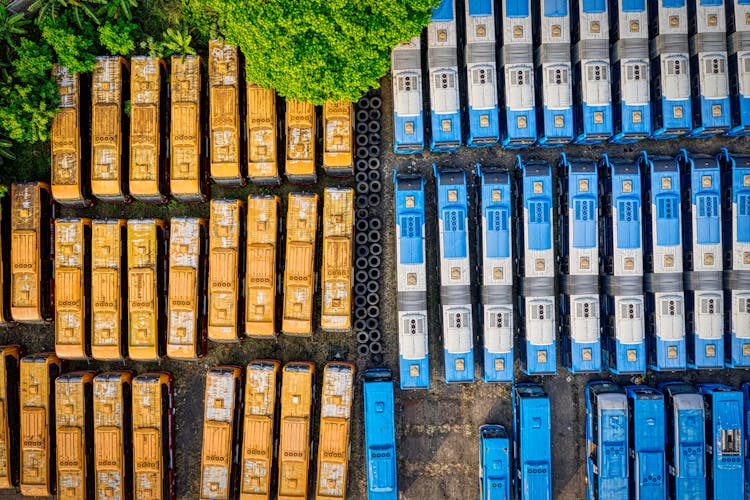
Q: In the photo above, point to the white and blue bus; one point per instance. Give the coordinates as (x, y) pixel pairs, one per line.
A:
(496, 243)
(442, 64)
(738, 47)
(408, 114)
(481, 73)
(591, 83)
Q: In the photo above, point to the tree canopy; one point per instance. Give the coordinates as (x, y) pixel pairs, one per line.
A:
(311, 50)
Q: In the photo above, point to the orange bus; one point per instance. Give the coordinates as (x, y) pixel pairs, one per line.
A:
(222, 421)
(75, 435)
(188, 273)
(260, 278)
(37, 402)
(297, 389)
(225, 301)
(146, 268)
(108, 295)
(10, 356)
(32, 213)
(224, 101)
(261, 387)
(113, 454)
(262, 135)
(333, 438)
(338, 254)
(70, 169)
(148, 129)
(299, 267)
(72, 285)
(110, 90)
(338, 138)
(188, 174)
(153, 436)
(300, 142)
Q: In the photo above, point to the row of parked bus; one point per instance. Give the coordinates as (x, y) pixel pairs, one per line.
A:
(82, 434)
(674, 441)
(520, 465)
(647, 265)
(143, 289)
(584, 71)
(241, 456)
(178, 133)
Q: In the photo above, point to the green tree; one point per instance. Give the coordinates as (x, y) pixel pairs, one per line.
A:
(11, 26)
(80, 10)
(116, 37)
(313, 51)
(177, 42)
(75, 46)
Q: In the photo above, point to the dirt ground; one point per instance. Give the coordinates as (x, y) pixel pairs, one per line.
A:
(436, 429)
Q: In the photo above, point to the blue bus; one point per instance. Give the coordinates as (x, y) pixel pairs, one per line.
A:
(518, 106)
(494, 463)
(647, 438)
(532, 442)
(662, 252)
(535, 251)
(496, 253)
(686, 440)
(624, 347)
(738, 45)
(578, 244)
(411, 282)
(553, 72)
(380, 435)
(724, 436)
(701, 236)
(708, 67)
(746, 435)
(631, 102)
(481, 73)
(606, 441)
(408, 115)
(670, 69)
(591, 83)
(455, 275)
(442, 64)
(735, 171)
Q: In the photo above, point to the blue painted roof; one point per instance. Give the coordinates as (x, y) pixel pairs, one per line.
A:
(444, 11)
(594, 6)
(555, 8)
(633, 5)
(517, 8)
(480, 7)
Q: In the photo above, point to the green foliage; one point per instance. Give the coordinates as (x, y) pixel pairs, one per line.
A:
(6, 151)
(74, 47)
(117, 37)
(11, 26)
(28, 95)
(79, 10)
(117, 9)
(177, 42)
(313, 51)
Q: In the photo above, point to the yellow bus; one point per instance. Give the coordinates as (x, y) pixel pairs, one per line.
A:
(72, 285)
(113, 454)
(338, 138)
(153, 436)
(108, 296)
(299, 267)
(110, 90)
(338, 252)
(74, 407)
(186, 303)
(333, 438)
(148, 129)
(187, 171)
(10, 356)
(31, 277)
(70, 172)
(261, 387)
(300, 142)
(297, 388)
(146, 268)
(260, 278)
(224, 103)
(225, 301)
(221, 433)
(37, 402)
(262, 135)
